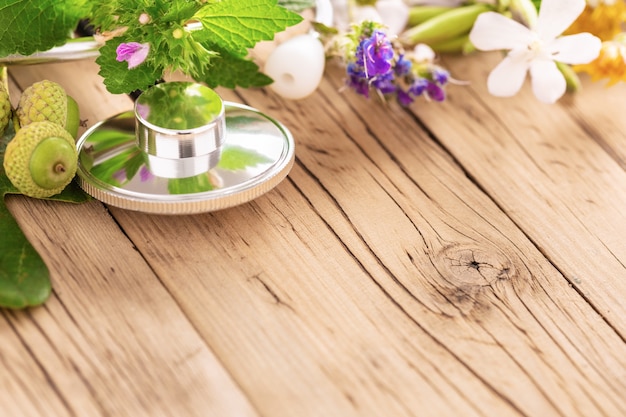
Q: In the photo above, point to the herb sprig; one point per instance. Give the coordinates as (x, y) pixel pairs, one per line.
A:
(205, 39)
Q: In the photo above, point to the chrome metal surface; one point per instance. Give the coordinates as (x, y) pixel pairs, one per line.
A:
(258, 153)
(181, 127)
(76, 49)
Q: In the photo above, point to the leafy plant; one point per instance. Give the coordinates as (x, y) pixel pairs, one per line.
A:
(205, 39)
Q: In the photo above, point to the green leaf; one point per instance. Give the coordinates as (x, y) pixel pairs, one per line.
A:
(118, 78)
(231, 71)
(235, 158)
(24, 277)
(236, 25)
(28, 26)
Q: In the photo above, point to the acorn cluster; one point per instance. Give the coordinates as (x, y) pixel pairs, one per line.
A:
(41, 159)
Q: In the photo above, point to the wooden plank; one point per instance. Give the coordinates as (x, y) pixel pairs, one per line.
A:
(111, 340)
(24, 385)
(548, 168)
(379, 280)
(589, 111)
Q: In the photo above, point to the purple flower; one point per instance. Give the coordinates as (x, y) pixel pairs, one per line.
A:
(419, 86)
(403, 66)
(132, 52)
(404, 98)
(385, 83)
(435, 92)
(376, 63)
(375, 54)
(440, 76)
(360, 85)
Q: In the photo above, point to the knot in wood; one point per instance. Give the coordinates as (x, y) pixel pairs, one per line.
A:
(472, 276)
(473, 266)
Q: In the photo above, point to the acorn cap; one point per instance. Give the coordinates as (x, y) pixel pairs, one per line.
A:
(43, 100)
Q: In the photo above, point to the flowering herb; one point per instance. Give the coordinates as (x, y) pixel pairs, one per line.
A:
(377, 63)
(535, 49)
(207, 40)
(532, 39)
(132, 52)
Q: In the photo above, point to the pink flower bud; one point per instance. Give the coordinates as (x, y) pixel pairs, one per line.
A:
(144, 18)
(132, 52)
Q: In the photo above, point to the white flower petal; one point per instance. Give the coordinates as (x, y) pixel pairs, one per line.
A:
(493, 31)
(423, 53)
(508, 77)
(547, 81)
(394, 14)
(557, 15)
(576, 49)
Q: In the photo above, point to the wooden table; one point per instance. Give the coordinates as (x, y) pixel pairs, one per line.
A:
(458, 259)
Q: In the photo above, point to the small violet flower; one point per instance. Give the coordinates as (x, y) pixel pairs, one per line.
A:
(376, 63)
(132, 52)
(534, 49)
(375, 54)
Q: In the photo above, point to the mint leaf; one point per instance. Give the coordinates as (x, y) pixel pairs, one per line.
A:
(118, 78)
(230, 71)
(236, 25)
(236, 158)
(28, 26)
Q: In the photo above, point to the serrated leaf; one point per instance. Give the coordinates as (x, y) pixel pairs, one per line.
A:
(118, 78)
(236, 158)
(231, 71)
(28, 26)
(236, 25)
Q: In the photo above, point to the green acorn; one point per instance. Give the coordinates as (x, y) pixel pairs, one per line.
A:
(44, 100)
(5, 108)
(41, 159)
(47, 100)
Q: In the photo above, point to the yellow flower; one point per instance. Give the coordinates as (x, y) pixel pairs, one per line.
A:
(602, 18)
(610, 64)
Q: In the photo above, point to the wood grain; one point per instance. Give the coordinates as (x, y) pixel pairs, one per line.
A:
(444, 208)
(555, 178)
(400, 270)
(111, 340)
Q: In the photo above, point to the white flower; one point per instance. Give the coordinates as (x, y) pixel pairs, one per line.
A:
(423, 53)
(535, 49)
